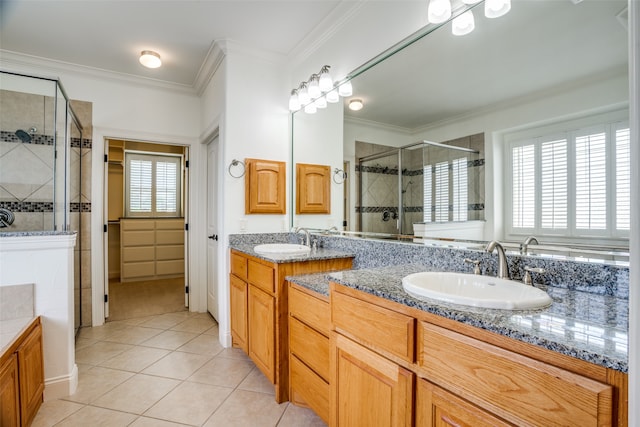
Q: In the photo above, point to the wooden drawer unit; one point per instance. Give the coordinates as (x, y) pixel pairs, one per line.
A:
(138, 238)
(170, 237)
(309, 346)
(313, 311)
(170, 252)
(309, 388)
(383, 328)
(239, 266)
(261, 276)
(515, 387)
(138, 253)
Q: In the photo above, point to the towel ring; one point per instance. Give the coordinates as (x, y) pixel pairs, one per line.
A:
(339, 176)
(235, 163)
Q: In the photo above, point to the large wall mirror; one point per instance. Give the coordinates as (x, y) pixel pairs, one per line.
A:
(522, 105)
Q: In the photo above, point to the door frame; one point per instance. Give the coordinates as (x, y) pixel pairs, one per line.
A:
(212, 139)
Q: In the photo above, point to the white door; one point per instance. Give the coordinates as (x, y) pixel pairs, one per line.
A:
(212, 228)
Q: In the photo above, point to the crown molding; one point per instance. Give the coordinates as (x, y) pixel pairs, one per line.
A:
(209, 67)
(325, 30)
(378, 125)
(15, 61)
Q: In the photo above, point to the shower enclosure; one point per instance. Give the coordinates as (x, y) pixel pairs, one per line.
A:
(426, 182)
(40, 161)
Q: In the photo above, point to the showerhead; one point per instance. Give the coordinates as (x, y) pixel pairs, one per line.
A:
(24, 136)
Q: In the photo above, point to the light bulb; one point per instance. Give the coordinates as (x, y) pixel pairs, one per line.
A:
(310, 108)
(294, 103)
(439, 11)
(326, 82)
(150, 59)
(345, 89)
(333, 96)
(463, 24)
(356, 104)
(321, 102)
(314, 87)
(303, 94)
(496, 8)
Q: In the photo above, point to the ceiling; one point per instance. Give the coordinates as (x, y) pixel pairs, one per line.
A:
(109, 34)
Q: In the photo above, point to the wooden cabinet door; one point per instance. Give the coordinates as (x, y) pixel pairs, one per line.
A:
(9, 397)
(238, 306)
(265, 187)
(261, 309)
(368, 390)
(31, 375)
(313, 185)
(436, 407)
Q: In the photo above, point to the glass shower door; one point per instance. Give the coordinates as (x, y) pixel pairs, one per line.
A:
(379, 193)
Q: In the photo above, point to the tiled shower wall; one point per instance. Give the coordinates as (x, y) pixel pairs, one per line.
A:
(380, 185)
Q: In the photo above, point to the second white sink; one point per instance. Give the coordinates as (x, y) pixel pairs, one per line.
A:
(474, 290)
(282, 249)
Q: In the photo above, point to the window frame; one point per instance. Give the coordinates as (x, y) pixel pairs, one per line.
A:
(179, 184)
(571, 128)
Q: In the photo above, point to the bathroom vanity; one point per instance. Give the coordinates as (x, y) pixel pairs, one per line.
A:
(259, 305)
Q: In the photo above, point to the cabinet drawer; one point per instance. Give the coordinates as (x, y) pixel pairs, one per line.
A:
(310, 347)
(239, 266)
(138, 253)
(170, 224)
(312, 311)
(138, 269)
(383, 328)
(507, 383)
(169, 237)
(310, 387)
(261, 276)
(170, 252)
(138, 238)
(137, 224)
(170, 268)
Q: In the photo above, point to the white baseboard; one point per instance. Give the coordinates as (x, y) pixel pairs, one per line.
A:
(62, 386)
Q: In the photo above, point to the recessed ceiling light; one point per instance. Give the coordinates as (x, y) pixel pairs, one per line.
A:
(356, 104)
(150, 59)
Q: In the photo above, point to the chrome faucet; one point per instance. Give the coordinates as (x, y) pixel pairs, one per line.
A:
(307, 235)
(503, 267)
(524, 246)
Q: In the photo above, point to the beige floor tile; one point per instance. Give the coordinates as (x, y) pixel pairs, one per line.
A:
(177, 365)
(165, 321)
(169, 340)
(214, 330)
(256, 381)
(83, 367)
(137, 394)
(97, 417)
(100, 332)
(99, 352)
(95, 382)
(203, 344)
(154, 422)
(132, 335)
(296, 416)
(189, 403)
(222, 371)
(234, 353)
(134, 321)
(135, 359)
(54, 411)
(84, 342)
(247, 408)
(196, 325)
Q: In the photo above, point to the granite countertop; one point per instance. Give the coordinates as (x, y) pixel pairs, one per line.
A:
(583, 325)
(315, 254)
(35, 233)
(11, 329)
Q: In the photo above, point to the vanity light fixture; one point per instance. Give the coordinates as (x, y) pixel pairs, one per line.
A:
(321, 102)
(333, 96)
(496, 8)
(318, 91)
(314, 86)
(463, 24)
(150, 59)
(326, 82)
(294, 102)
(439, 11)
(471, 1)
(303, 94)
(356, 104)
(310, 108)
(345, 89)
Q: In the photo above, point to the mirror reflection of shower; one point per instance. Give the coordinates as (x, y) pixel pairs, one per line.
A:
(401, 189)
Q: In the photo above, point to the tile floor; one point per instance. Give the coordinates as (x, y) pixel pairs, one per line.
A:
(167, 370)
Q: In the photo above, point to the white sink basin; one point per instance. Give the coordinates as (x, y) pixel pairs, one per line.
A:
(474, 290)
(282, 249)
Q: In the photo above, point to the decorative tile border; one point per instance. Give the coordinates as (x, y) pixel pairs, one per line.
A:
(31, 207)
(385, 170)
(36, 139)
(376, 209)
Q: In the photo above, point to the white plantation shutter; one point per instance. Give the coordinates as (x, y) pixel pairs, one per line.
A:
(442, 192)
(460, 189)
(428, 192)
(152, 185)
(591, 182)
(523, 186)
(623, 178)
(553, 185)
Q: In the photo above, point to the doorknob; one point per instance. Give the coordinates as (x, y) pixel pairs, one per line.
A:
(214, 237)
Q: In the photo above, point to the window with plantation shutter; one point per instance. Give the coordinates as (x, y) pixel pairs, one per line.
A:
(428, 192)
(460, 187)
(446, 187)
(570, 184)
(442, 192)
(152, 185)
